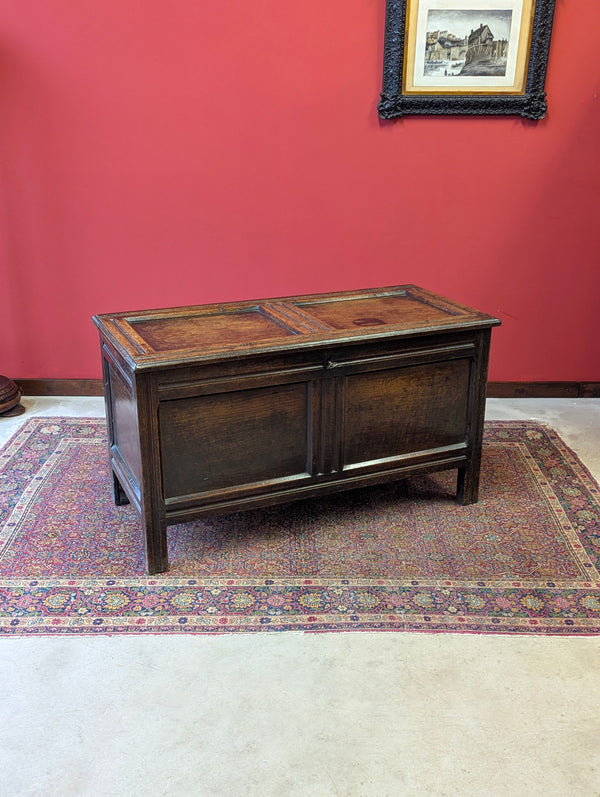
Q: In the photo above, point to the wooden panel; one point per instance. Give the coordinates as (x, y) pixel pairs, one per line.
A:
(208, 329)
(404, 410)
(124, 427)
(396, 308)
(219, 441)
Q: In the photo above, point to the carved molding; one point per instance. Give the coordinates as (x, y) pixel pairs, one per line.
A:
(531, 104)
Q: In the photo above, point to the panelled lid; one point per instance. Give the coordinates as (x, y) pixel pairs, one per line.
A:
(154, 338)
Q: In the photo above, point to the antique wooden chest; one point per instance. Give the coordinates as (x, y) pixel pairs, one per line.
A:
(219, 408)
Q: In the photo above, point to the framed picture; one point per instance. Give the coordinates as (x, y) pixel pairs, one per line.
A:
(466, 57)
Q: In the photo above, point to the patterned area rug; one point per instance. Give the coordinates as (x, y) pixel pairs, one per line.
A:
(403, 557)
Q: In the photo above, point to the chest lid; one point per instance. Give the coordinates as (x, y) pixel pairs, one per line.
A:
(154, 338)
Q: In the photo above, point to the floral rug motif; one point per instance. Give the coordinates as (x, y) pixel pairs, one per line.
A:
(401, 557)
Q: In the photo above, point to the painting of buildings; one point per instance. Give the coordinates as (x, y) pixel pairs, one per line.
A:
(462, 48)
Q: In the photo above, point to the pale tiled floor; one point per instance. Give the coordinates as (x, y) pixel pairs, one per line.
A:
(297, 714)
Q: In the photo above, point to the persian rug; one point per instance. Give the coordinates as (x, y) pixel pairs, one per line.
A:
(402, 557)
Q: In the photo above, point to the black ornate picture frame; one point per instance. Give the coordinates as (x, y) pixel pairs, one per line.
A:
(486, 57)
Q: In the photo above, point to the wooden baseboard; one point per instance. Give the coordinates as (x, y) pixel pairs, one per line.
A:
(543, 390)
(60, 387)
(93, 387)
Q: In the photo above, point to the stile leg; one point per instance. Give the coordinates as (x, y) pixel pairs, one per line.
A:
(155, 537)
(467, 485)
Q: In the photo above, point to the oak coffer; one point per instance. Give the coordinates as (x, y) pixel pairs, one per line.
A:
(219, 408)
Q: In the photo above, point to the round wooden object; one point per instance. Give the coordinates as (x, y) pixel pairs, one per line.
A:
(10, 394)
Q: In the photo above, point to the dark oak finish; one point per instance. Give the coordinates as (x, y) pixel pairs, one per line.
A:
(220, 408)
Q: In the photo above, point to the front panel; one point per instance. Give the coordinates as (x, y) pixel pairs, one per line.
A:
(415, 410)
(235, 442)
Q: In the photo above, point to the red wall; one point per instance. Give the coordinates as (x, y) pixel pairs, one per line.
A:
(158, 153)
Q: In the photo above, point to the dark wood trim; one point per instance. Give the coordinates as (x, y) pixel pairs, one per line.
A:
(60, 387)
(543, 390)
(590, 390)
(93, 387)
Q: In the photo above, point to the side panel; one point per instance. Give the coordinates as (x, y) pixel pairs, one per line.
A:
(122, 422)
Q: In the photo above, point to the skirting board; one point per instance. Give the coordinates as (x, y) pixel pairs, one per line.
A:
(93, 387)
